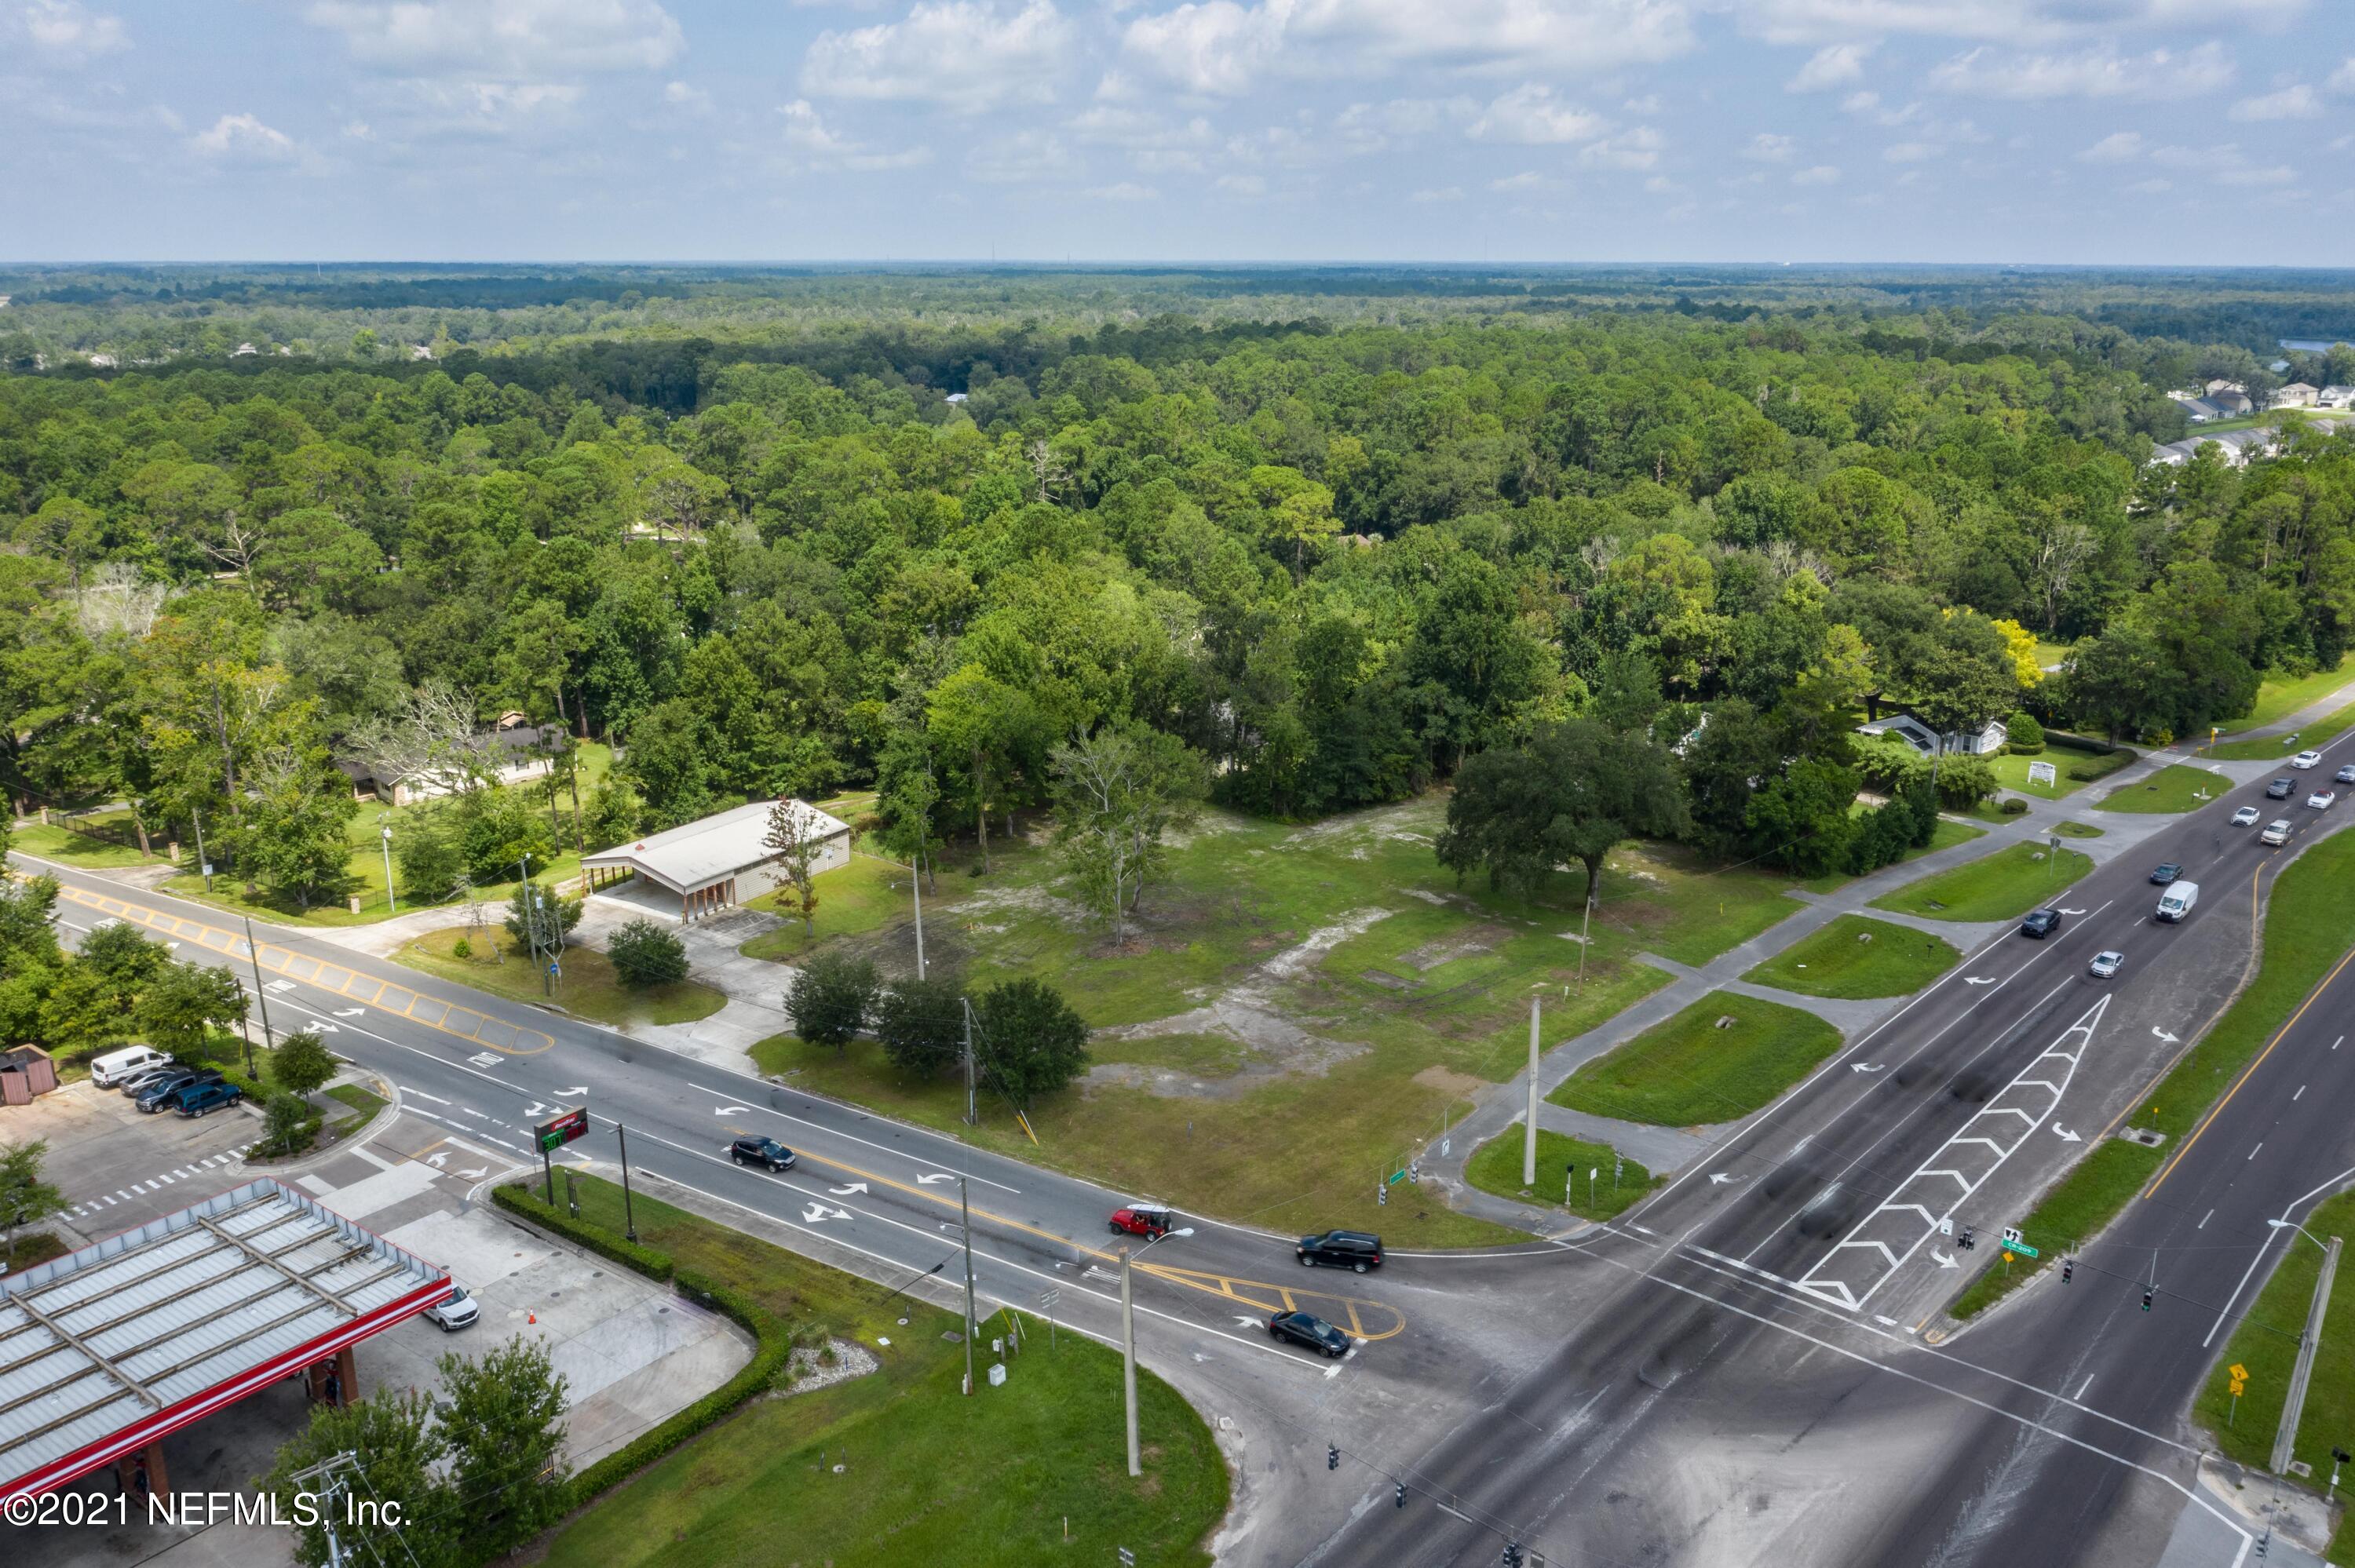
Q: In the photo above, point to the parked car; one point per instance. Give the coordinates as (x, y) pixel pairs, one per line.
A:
(2246, 817)
(455, 1311)
(139, 1082)
(2276, 831)
(1152, 1220)
(766, 1151)
(1309, 1330)
(1341, 1249)
(2306, 760)
(2323, 800)
(2177, 900)
(203, 1099)
(2280, 789)
(159, 1096)
(2167, 874)
(2347, 774)
(2041, 923)
(108, 1071)
(2105, 964)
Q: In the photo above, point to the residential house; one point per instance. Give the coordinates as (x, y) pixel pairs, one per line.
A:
(2233, 403)
(2200, 409)
(2335, 397)
(241, 350)
(2221, 385)
(1986, 741)
(2297, 395)
(509, 752)
(715, 862)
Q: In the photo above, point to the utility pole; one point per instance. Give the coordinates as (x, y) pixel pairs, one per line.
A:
(204, 860)
(1585, 927)
(629, 1215)
(916, 885)
(1530, 1142)
(254, 955)
(391, 903)
(1128, 1360)
(523, 903)
(328, 1470)
(965, 1217)
(970, 1116)
(2308, 1342)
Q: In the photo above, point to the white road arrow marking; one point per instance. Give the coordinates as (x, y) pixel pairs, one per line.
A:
(1719, 1178)
(1862, 1067)
(847, 1192)
(1978, 979)
(349, 1012)
(328, 1028)
(533, 1108)
(1941, 1260)
(731, 1110)
(2163, 1034)
(2066, 1136)
(927, 1179)
(2073, 912)
(573, 1093)
(1251, 1322)
(439, 1161)
(815, 1211)
(476, 1174)
(282, 985)
(484, 1059)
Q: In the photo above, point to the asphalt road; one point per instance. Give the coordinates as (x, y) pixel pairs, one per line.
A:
(1752, 1383)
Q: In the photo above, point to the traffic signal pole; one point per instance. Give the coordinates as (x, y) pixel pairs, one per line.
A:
(2285, 1439)
(1128, 1360)
(1530, 1142)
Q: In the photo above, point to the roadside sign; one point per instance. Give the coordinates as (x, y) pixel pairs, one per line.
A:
(1397, 1177)
(562, 1129)
(2237, 1386)
(2011, 1233)
(1127, 1558)
(2238, 1372)
(2021, 1248)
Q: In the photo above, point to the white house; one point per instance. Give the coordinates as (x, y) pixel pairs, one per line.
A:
(719, 861)
(509, 754)
(2297, 395)
(2335, 397)
(1986, 742)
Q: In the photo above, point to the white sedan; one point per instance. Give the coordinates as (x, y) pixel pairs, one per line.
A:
(2105, 964)
(2323, 800)
(2246, 817)
(2306, 760)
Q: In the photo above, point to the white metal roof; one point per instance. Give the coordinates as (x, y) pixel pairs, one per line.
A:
(108, 1348)
(693, 856)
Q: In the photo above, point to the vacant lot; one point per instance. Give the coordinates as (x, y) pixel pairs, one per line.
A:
(1718, 1059)
(1296, 1008)
(2007, 883)
(587, 987)
(2011, 771)
(1855, 957)
(1615, 1185)
(929, 1475)
(2174, 788)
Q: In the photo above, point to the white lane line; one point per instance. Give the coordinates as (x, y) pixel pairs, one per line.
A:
(2336, 1043)
(2296, 1097)
(885, 1148)
(121, 1194)
(421, 1095)
(109, 1203)
(2084, 1386)
(2252, 1153)
(2270, 1233)
(2204, 1219)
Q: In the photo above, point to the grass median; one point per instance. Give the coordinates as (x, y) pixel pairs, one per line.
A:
(1618, 1185)
(1855, 957)
(588, 989)
(2278, 697)
(2280, 747)
(2310, 926)
(930, 1475)
(1720, 1059)
(1999, 886)
(2173, 789)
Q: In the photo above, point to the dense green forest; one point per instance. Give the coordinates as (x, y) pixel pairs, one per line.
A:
(1298, 541)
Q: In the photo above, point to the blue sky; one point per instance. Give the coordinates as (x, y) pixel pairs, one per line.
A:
(2032, 131)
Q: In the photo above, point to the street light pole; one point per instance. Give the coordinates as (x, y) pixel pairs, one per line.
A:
(253, 957)
(1529, 1141)
(629, 1214)
(916, 885)
(965, 1218)
(970, 1116)
(391, 903)
(1128, 1361)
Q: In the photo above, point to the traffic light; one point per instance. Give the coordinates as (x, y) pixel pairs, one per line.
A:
(1512, 1554)
(1398, 1495)
(1962, 1242)
(2068, 1269)
(2147, 1293)
(1332, 1456)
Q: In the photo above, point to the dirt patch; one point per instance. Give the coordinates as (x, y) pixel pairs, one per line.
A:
(1446, 950)
(1387, 981)
(1447, 1080)
(811, 1369)
(1294, 961)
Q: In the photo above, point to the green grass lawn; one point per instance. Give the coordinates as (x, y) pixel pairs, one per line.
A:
(364, 1101)
(1855, 957)
(2076, 830)
(2279, 697)
(1367, 996)
(588, 988)
(989, 1481)
(2010, 769)
(2266, 1341)
(1685, 1071)
(2319, 733)
(2010, 882)
(70, 848)
(852, 900)
(2309, 925)
(1617, 1186)
(2174, 788)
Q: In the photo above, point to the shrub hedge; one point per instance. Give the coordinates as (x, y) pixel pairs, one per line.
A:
(516, 1198)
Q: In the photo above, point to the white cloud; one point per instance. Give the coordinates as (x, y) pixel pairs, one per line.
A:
(1527, 180)
(1831, 66)
(1909, 152)
(518, 39)
(1216, 46)
(1126, 190)
(2343, 79)
(1439, 193)
(1635, 149)
(682, 95)
(819, 145)
(2295, 103)
(2004, 21)
(2094, 73)
(1531, 115)
(1022, 158)
(68, 32)
(964, 56)
(242, 139)
(2116, 147)
(2151, 187)
(1242, 185)
(2224, 164)
(1766, 147)
(1863, 102)
(1820, 175)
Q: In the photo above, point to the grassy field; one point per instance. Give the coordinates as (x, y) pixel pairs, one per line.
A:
(2309, 925)
(588, 988)
(2266, 1341)
(364, 1103)
(1855, 957)
(2007, 883)
(2278, 697)
(2076, 830)
(69, 848)
(2319, 733)
(365, 867)
(2174, 788)
(1297, 1007)
(852, 900)
(2010, 769)
(1619, 1184)
(1685, 1071)
(990, 1481)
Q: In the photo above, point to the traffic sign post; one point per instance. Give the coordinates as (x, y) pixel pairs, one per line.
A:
(1048, 1298)
(553, 1135)
(2240, 1382)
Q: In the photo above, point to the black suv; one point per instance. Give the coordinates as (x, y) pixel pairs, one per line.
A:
(1341, 1249)
(2279, 790)
(2041, 923)
(163, 1093)
(766, 1151)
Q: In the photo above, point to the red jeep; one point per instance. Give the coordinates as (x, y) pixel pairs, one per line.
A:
(1147, 1219)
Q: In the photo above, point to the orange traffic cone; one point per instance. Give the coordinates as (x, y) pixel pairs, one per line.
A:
(531, 1317)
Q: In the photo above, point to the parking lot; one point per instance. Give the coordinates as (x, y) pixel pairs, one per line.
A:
(120, 1167)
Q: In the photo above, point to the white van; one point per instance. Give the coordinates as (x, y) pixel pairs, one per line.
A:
(116, 1066)
(2177, 900)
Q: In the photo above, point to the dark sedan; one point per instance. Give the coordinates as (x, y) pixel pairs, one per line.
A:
(1309, 1332)
(2167, 874)
(2279, 790)
(2041, 923)
(766, 1151)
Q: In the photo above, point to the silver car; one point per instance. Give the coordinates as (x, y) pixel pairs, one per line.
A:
(2106, 964)
(2246, 817)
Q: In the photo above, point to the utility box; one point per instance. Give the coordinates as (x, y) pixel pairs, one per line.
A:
(998, 1375)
